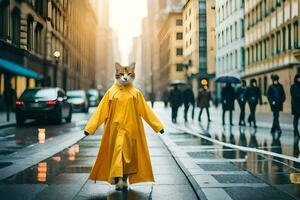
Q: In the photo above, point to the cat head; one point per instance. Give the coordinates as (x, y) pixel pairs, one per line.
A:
(125, 74)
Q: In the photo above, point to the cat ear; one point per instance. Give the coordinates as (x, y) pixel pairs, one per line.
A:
(118, 66)
(132, 66)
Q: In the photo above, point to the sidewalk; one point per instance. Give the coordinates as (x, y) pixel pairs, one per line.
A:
(64, 176)
(4, 122)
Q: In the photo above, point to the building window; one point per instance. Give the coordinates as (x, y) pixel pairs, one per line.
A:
(29, 32)
(190, 41)
(242, 57)
(16, 27)
(256, 52)
(289, 36)
(179, 51)
(235, 30)
(40, 7)
(38, 39)
(278, 42)
(242, 28)
(273, 45)
(283, 39)
(178, 22)
(236, 59)
(4, 19)
(265, 85)
(242, 3)
(296, 36)
(179, 67)
(179, 36)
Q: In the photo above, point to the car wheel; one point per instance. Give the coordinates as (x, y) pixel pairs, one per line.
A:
(69, 118)
(59, 117)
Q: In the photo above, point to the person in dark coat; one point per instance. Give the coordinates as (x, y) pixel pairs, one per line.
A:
(227, 97)
(188, 98)
(203, 99)
(152, 99)
(165, 98)
(276, 97)
(9, 95)
(175, 100)
(253, 97)
(295, 94)
(241, 98)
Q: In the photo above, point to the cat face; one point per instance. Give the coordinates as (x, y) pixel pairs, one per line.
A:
(125, 74)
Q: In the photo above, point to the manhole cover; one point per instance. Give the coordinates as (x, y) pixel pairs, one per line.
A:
(247, 193)
(189, 143)
(239, 178)
(219, 167)
(202, 154)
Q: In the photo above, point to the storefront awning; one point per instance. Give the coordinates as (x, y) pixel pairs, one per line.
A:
(16, 69)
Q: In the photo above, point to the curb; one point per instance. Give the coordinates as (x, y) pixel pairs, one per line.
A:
(8, 125)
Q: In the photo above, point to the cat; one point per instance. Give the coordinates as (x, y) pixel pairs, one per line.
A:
(125, 74)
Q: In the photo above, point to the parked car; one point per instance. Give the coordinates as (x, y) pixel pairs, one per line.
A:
(93, 97)
(43, 103)
(78, 100)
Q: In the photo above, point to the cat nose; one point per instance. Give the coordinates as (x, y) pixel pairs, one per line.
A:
(125, 78)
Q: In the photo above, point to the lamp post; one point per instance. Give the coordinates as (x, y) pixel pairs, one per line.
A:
(56, 55)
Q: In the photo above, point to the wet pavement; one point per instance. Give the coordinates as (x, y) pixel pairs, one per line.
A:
(191, 160)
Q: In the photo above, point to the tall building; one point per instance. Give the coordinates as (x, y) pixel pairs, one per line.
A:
(30, 33)
(199, 40)
(103, 44)
(230, 35)
(136, 56)
(146, 56)
(157, 11)
(272, 42)
(170, 39)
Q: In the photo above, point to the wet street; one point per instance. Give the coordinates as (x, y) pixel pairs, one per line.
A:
(190, 161)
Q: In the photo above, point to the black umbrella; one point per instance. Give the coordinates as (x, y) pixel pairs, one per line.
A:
(178, 82)
(228, 79)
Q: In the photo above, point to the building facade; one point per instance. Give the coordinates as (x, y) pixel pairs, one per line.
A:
(31, 31)
(170, 39)
(272, 43)
(199, 40)
(230, 37)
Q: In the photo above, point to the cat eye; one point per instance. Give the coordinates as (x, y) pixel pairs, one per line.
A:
(129, 74)
(121, 74)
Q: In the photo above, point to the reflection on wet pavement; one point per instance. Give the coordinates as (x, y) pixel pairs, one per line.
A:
(15, 138)
(281, 173)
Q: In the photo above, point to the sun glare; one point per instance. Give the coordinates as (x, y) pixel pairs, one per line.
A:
(125, 19)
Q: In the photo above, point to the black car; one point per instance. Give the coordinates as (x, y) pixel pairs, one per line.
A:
(78, 100)
(93, 97)
(43, 103)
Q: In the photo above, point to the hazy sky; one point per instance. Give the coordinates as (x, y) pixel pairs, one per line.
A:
(125, 19)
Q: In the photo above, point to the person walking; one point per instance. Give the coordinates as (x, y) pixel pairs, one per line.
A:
(165, 98)
(276, 97)
(152, 99)
(227, 97)
(253, 97)
(295, 94)
(241, 98)
(175, 102)
(9, 95)
(203, 100)
(188, 98)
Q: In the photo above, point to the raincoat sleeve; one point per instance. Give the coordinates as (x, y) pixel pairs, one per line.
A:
(147, 114)
(99, 116)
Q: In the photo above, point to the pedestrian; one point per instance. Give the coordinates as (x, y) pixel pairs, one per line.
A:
(276, 97)
(175, 100)
(123, 152)
(203, 100)
(165, 98)
(253, 97)
(295, 94)
(188, 98)
(227, 98)
(241, 98)
(9, 95)
(152, 99)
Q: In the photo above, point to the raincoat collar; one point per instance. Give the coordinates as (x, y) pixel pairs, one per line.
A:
(120, 86)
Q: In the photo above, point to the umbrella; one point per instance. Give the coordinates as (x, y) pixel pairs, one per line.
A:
(228, 79)
(178, 82)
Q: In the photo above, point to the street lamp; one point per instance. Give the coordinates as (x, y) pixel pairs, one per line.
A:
(56, 55)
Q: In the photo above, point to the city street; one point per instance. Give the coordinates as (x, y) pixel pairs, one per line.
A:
(190, 161)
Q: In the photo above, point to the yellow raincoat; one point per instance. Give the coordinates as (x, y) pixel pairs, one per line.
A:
(123, 147)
